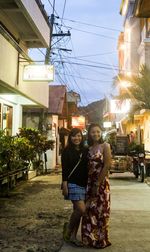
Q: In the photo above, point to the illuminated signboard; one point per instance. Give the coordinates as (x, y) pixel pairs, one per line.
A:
(38, 73)
(78, 122)
(120, 107)
(107, 124)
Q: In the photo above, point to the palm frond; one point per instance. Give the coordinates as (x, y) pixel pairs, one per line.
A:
(139, 89)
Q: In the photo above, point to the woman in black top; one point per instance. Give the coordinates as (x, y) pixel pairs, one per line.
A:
(74, 185)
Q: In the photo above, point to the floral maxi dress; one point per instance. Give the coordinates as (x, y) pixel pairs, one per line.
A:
(95, 221)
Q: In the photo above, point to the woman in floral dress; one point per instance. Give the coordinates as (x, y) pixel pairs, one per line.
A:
(96, 219)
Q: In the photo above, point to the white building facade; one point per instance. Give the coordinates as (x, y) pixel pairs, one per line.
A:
(23, 25)
(136, 53)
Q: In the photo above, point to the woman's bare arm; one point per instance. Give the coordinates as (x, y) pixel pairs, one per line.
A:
(107, 162)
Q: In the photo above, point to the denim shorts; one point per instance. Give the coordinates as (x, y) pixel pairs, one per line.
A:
(76, 192)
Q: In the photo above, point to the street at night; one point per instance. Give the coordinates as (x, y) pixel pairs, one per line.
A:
(32, 218)
(74, 125)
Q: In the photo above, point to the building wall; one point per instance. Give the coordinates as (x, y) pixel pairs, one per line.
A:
(132, 42)
(34, 30)
(35, 14)
(8, 62)
(137, 53)
(37, 91)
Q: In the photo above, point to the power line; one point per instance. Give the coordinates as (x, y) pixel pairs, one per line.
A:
(53, 7)
(41, 52)
(62, 63)
(87, 78)
(69, 88)
(63, 10)
(97, 34)
(88, 65)
(93, 25)
(93, 55)
(115, 68)
(50, 3)
(78, 89)
(59, 39)
(78, 72)
(95, 62)
(83, 94)
(93, 33)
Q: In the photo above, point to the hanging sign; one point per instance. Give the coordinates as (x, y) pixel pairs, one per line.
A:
(38, 73)
(78, 122)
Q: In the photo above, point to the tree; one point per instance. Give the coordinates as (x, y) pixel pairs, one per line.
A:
(138, 90)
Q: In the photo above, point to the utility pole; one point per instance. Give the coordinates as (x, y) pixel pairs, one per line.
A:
(61, 34)
(48, 51)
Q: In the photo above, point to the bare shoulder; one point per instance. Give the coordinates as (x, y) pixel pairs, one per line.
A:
(105, 146)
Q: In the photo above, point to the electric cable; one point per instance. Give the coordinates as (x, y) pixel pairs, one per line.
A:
(88, 65)
(63, 10)
(88, 78)
(93, 25)
(95, 62)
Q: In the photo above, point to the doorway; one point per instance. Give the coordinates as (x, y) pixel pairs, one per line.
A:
(7, 114)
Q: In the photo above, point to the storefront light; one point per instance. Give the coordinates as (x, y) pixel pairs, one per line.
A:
(125, 84)
(120, 107)
(129, 74)
(107, 124)
(122, 47)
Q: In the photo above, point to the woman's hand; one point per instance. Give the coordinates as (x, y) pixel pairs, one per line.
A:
(65, 188)
(87, 203)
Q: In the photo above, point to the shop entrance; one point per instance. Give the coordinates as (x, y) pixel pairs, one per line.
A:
(6, 119)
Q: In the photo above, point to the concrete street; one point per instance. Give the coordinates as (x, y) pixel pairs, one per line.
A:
(130, 216)
(31, 219)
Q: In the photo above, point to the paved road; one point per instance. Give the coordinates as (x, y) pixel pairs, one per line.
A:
(130, 216)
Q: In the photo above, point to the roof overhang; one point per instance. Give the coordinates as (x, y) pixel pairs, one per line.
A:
(142, 8)
(27, 21)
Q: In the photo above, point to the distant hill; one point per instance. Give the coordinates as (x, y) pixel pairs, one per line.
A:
(93, 111)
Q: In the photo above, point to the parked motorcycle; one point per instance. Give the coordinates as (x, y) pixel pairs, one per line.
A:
(138, 165)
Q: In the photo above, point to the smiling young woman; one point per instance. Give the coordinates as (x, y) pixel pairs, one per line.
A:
(74, 177)
(96, 218)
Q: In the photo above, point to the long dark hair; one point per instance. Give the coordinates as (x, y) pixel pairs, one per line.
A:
(73, 132)
(90, 140)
